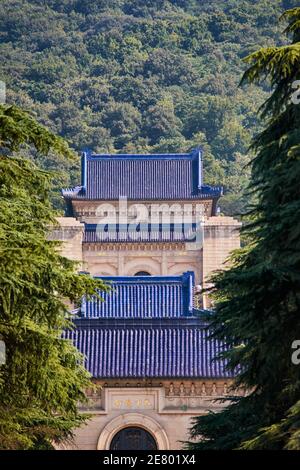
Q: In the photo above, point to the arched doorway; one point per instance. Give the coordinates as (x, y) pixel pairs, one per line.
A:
(142, 273)
(133, 420)
(133, 438)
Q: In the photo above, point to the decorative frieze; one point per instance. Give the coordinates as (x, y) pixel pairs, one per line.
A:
(164, 397)
(133, 246)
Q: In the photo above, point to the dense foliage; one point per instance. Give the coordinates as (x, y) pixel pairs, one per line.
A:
(258, 299)
(141, 75)
(43, 377)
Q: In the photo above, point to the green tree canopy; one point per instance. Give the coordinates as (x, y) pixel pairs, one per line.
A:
(258, 299)
(43, 377)
(113, 66)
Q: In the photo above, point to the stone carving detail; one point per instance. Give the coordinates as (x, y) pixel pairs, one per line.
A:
(171, 390)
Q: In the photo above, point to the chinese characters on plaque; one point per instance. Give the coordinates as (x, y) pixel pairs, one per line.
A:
(133, 403)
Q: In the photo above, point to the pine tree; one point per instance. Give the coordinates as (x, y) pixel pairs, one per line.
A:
(43, 378)
(258, 298)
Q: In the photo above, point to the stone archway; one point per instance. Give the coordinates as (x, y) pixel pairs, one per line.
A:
(129, 420)
(142, 264)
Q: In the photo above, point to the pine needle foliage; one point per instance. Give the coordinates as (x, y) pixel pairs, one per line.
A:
(258, 298)
(43, 378)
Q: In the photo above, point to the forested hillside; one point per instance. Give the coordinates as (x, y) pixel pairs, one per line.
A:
(141, 75)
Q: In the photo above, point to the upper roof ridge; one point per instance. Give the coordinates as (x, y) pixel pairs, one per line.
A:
(93, 156)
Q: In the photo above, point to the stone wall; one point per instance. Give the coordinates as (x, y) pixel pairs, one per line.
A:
(70, 233)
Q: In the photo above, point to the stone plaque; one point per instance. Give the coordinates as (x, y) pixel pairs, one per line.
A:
(142, 402)
(134, 399)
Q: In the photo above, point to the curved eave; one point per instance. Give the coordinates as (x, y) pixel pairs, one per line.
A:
(215, 195)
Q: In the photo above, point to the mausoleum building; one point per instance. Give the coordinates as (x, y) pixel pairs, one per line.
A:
(148, 226)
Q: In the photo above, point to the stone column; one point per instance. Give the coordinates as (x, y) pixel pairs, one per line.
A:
(164, 263)
(120, 264)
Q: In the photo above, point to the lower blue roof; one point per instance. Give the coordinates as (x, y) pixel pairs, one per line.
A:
(147, 327)
(149, 351)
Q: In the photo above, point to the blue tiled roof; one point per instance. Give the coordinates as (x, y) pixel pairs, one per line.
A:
(142, 177)
(143, 297)
(147, 327)
(149, 351)
(94, 233)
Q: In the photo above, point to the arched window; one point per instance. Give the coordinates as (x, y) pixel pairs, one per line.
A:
(133, 438)
(142, 273)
